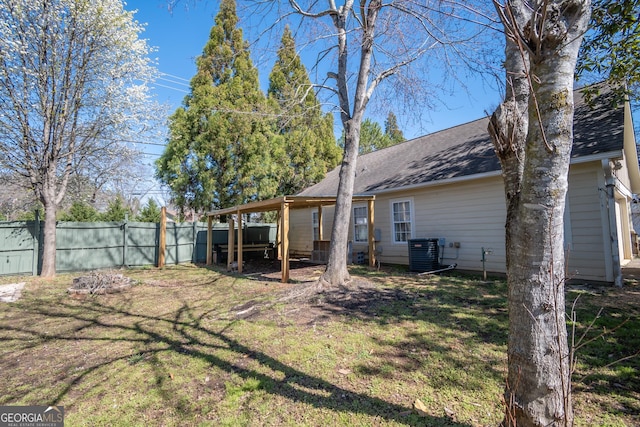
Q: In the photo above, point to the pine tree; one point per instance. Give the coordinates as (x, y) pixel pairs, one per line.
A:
(149, 213)
(80, 212)
(372, 138)
(221, 147)
(117, 210)
(392, 130)
(308, 139)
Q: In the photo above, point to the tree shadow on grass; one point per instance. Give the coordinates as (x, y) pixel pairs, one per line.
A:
(184, 333)
(474, 313)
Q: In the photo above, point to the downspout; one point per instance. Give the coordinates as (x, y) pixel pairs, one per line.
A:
(610, 186)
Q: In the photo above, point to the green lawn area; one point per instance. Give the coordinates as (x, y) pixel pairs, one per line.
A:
(189, 345)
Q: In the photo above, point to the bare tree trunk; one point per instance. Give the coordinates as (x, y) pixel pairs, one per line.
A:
(533, 135)
(538, 388)
(49, 241)
(400, 34)
(336, 273)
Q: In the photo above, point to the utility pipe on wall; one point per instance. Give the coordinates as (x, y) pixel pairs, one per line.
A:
(485, 252)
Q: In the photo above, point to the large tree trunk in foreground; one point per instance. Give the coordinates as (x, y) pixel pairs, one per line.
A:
(336, 273)
(535, 154)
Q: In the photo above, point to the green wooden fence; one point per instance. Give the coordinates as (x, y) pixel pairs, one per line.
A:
(95, 245)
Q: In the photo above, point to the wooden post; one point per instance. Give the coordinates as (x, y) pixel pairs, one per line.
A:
(194, 239)
(230, 243)
(209, 240)
(279, 234)
(240, 239)
(372, 239)
(285, 242)
(125, 227)
(162, 246)
(320, 231)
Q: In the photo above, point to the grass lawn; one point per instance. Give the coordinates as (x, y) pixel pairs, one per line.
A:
(190, 346)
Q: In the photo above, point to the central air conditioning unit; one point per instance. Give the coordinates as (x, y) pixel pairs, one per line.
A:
(423, 255)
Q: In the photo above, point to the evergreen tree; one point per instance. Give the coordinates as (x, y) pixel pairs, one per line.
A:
(392, 130)
(80, 212)
(307, 133)
(221, 147)
(149, 213)
(116, 210)
(372, 138)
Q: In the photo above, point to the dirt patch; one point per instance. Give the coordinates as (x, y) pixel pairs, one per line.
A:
(269, 271)
(301, 302)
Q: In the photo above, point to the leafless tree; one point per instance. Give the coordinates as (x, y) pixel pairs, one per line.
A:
(372, 46)
(532, 132)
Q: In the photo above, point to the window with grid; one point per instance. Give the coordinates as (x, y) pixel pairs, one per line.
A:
(401, 221)
(360, 224)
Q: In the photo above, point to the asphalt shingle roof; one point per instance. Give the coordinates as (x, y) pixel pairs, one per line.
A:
(467, 149)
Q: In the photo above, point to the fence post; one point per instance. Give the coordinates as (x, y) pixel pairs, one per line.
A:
(125, 226)
(163, 236)
(194, 254)
(209, 239)
(36, 243)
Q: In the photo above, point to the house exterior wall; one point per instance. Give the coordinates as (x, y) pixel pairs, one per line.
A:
(624, 200)
(472, 214)
(584, 233)
(622, 174)
(301, 230)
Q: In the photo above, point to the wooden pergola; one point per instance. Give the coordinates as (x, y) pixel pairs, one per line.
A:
(282, 205)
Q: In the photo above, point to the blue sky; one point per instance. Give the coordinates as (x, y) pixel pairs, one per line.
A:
(179, 36)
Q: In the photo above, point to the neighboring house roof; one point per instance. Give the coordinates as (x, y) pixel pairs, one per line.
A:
(467, 149)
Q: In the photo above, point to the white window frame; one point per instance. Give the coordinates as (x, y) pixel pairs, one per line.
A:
(411, 221)
(315, 225)
(364, 224)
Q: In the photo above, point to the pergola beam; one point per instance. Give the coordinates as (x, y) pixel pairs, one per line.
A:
(282, 205)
